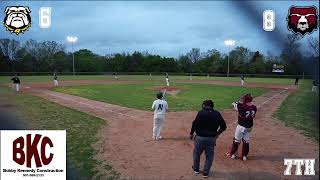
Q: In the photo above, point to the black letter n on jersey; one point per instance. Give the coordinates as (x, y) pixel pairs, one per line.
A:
(160, 107)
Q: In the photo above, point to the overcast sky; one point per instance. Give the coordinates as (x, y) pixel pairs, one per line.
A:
(165, 27)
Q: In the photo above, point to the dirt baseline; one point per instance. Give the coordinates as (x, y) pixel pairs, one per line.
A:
(130, 149)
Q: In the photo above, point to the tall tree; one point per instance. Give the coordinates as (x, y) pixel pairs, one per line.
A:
(291, 56)
(9, 48)
(314, 45)
(185, 63)
(194, 55)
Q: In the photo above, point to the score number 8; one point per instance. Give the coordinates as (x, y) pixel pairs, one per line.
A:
(269, 18)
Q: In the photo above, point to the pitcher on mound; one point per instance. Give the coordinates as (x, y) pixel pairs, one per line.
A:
(167, 80)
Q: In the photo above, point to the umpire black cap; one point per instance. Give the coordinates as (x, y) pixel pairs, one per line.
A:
(207, 104)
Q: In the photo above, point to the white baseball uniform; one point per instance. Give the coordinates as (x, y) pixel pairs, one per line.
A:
(167, 81)
(55, 80)
(160, 108)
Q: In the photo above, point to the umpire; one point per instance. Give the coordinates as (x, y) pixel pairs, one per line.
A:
(208, 125)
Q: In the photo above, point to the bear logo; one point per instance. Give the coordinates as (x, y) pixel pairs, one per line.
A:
(302, 19)
(17, 19)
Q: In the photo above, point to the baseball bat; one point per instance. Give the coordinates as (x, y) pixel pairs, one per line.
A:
(164, 92)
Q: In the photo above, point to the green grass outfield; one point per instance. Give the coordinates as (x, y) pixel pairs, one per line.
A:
(81, 129)
(301, 110)
(6, 79)
(136, 96)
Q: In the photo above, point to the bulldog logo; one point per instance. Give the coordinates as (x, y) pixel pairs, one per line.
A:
(17, 19)
(302, 20)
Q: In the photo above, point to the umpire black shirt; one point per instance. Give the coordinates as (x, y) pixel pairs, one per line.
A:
(208, 123)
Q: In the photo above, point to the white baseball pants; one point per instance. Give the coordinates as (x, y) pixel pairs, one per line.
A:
(17, 86)
(314, 88)
(242, 133)
(158, 122)
(56, 83)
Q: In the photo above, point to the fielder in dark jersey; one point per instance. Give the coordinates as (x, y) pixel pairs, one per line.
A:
(247, 112)
(314, 85)
(16, 82)
(55, 79)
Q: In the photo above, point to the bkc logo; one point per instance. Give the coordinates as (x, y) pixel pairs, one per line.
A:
(31, 150)
(308, 166)
(33, 154)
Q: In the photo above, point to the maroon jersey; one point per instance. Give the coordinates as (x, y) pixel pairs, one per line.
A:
(246, 115)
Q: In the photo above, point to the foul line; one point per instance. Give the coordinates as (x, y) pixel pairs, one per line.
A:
(270, 98)
(92, 106)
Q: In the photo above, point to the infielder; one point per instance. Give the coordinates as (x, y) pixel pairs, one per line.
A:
(115, 76)
(314, 85)
(167, 80)
(242, 80)
(247, 112)
(55, 79)
(160, 108)
(16, 82)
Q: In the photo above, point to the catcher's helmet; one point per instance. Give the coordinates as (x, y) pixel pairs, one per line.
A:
(159, 95)
(247, 98)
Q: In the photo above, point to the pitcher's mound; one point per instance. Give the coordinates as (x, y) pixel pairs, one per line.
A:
(172, 90)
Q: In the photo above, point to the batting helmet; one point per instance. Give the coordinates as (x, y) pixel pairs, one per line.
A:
(159, 95)
(247, 98)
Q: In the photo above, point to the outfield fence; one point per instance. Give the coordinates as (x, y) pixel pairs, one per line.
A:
(308, 76)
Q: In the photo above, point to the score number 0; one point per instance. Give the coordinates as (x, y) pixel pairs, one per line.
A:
(269, 18)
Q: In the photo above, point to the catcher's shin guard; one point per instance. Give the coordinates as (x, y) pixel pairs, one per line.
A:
(234, 147)
(245, 148)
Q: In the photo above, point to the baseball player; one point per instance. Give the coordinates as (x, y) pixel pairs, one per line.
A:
(16, 82)
(167, 80)
(190, 77)
(296, 82)
(55, 79)
(242, 80)
(115, 76)
(247, 112)
(160, 108)
(314, 85)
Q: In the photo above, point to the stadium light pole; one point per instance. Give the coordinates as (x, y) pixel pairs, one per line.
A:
(72, 40)
(229, 43)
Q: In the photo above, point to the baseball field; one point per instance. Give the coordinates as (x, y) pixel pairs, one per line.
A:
(109, 123)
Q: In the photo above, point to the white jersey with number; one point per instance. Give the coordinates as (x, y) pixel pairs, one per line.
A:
(160, 107)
